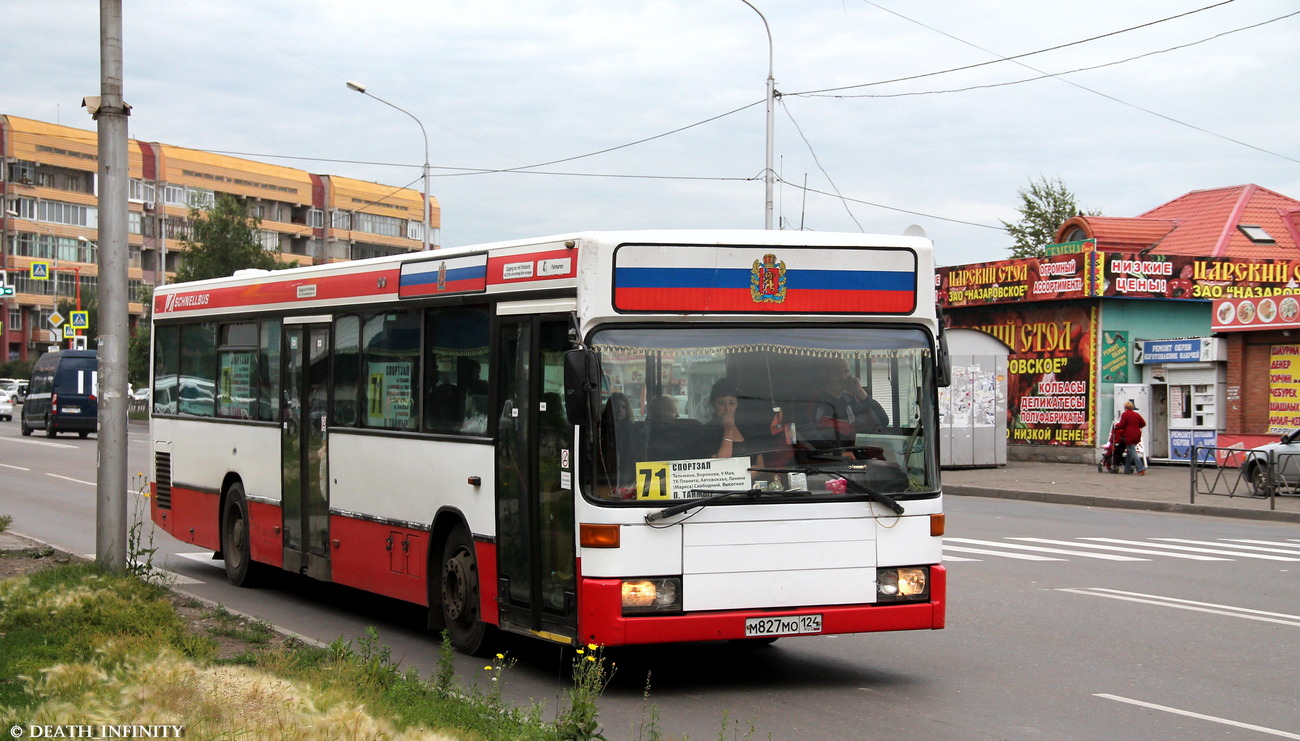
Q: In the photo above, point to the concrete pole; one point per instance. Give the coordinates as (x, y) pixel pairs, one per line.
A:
(111, 113)
(769, 172)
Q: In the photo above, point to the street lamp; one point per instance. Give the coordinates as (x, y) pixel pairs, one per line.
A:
(769, 174)
(362, 89)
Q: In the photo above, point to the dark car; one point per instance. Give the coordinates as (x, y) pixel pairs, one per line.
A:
(63, 394)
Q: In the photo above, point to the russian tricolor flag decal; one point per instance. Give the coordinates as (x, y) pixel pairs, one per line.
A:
(770, 279)
(466, 274)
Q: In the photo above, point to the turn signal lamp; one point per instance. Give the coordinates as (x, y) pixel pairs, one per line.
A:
(592, 535)
(936, 525)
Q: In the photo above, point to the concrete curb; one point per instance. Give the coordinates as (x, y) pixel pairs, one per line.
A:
(1117, 503)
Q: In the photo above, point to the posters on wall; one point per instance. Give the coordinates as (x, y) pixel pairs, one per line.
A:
(1114, 357)
(1050, 369)
(1283, 389)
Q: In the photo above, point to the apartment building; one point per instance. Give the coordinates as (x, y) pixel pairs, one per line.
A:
(49, 214)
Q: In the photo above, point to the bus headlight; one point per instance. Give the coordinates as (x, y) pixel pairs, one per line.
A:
(652, 595)
(903, 584)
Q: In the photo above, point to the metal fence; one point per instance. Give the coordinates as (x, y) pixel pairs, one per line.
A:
(1234, 472)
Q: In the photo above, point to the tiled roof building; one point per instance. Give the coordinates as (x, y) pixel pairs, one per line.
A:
(1243, 221)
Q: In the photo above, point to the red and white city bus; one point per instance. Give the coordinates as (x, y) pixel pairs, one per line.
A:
(610, 437)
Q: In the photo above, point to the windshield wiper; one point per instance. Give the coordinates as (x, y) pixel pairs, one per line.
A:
(714, 495)
(875, 496)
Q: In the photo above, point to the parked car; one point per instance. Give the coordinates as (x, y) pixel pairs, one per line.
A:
(1285, 454)
(17, 388)
(6, 406)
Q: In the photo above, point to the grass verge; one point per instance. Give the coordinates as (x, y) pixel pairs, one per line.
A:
(78, 646)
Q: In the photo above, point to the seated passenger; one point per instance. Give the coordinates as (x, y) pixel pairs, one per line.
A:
(841, 409)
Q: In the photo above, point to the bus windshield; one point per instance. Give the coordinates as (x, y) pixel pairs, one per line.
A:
(688, 412)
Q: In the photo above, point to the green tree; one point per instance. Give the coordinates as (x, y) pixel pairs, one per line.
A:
(137, 349)
(1044, 206)
(222, 240)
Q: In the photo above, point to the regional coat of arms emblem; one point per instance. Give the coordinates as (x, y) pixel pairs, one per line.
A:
(767, 280)
(442, 277)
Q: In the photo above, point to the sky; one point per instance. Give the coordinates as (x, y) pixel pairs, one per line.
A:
(875, 127)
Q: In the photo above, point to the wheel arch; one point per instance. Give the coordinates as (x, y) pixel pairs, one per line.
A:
(447, 520)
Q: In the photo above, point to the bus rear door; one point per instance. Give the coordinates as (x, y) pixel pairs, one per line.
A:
(303, 441)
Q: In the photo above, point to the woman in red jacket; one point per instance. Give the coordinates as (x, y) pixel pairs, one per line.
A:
(1129, 432)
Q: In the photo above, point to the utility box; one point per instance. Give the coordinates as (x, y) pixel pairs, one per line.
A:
(973, 409)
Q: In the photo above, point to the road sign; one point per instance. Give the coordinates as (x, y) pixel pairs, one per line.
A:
(40, 270)
(56, 319)
(69, 332)
(80, 320)
(6, 291)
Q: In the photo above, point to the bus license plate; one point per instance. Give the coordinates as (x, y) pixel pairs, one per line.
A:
(788, 625)
(70, 410)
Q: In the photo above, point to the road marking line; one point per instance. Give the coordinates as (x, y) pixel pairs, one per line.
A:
(946, 557)
(1122, 549)
(69, 478)
(16, 468)
(1021, 556)
(203, 557)
(1199, 716)
(36, 442)
(1240, 554)
(1186, 604)
(1290, 551)
(1260, 542)
(1039, 549)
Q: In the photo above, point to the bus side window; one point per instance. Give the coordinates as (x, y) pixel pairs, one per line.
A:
(347, 364)
(456, 352)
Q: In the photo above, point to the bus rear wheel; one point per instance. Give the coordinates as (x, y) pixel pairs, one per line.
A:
(461, 606)
(235, 545)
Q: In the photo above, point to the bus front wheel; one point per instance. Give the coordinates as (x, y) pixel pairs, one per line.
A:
(235, 548)
(460, 595)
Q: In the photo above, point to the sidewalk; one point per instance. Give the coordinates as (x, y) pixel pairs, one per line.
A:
(1164, 488)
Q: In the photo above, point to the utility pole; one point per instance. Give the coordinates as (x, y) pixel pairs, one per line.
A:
(111, 112)
(769, 174)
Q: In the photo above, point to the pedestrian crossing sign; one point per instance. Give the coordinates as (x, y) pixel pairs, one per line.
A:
(68, 331)
(40, 270)
(80, 320)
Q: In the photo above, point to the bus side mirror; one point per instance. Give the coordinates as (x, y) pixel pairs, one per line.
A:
(581, 386)
(942, 361)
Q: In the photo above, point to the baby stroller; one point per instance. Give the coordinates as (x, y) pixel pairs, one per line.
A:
(1110, 457)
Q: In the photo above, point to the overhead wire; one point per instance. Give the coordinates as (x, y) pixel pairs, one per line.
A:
(1000, 58)
(1046, 75)
(1085, 88)
(818, 162)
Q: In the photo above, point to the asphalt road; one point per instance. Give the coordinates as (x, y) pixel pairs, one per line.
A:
(1064, 622)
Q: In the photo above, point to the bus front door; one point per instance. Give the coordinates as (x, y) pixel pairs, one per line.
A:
(536, 560)
(304, 464)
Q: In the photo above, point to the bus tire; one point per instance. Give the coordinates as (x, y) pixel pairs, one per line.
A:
(27, 431)
(49, 427)
(235, 547)
(461, 606)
